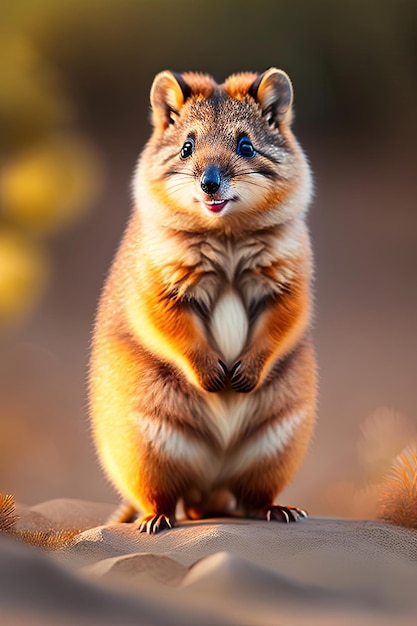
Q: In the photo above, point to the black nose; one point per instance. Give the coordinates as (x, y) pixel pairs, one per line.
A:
(210, 179)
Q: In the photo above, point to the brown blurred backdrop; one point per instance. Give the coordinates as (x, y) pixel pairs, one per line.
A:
(74, 116)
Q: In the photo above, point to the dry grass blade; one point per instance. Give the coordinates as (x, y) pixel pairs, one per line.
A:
(8, 516)
(398, 494)
(50, 540)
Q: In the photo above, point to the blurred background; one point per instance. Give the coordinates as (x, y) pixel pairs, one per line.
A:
(74, 91)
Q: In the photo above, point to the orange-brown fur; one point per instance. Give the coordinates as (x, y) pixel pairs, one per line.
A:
(175, 416)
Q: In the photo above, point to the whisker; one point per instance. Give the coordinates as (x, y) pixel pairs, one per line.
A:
(265, 173)
(175, 188)
(254, 183)
(177, 173)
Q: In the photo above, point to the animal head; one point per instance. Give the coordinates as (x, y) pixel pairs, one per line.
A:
(222, 156)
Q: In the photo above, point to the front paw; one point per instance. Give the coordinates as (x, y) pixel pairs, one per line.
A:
(215, 379)
(242, 378)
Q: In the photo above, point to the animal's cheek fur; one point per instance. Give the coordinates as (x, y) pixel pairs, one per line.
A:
(255, 192)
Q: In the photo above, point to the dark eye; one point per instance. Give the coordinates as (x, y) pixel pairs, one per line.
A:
(187, 149)
(245, 148)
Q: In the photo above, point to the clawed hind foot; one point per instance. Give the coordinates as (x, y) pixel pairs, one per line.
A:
(154, 523)
(285, 514)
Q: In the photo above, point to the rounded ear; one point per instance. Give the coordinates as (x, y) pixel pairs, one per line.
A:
(169, 91)
(273, 90)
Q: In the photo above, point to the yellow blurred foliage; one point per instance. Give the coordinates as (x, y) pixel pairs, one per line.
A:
(31, 98)
(23, 275)
(50, 185)
(50, 175)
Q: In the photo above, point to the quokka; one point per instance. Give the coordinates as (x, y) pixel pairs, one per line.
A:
(203, 375)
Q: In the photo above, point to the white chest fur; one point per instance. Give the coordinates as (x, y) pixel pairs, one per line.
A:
(229, 326)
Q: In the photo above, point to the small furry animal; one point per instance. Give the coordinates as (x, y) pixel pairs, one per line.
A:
(203, 376)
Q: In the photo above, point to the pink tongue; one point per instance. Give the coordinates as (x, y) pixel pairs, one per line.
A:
(216, 208)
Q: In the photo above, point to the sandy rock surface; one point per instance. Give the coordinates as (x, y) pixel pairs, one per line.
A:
(319, 571)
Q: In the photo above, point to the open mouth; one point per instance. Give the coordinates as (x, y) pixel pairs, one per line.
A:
(215, 206)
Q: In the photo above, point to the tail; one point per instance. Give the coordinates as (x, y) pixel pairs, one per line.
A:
(124, 513)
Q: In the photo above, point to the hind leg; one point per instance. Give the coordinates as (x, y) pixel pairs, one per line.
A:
(272, 453)
(158, 491)
(262, 480)
(263, 506)
(144, 414)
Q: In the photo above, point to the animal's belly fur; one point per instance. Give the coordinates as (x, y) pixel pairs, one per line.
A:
(229, 326)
